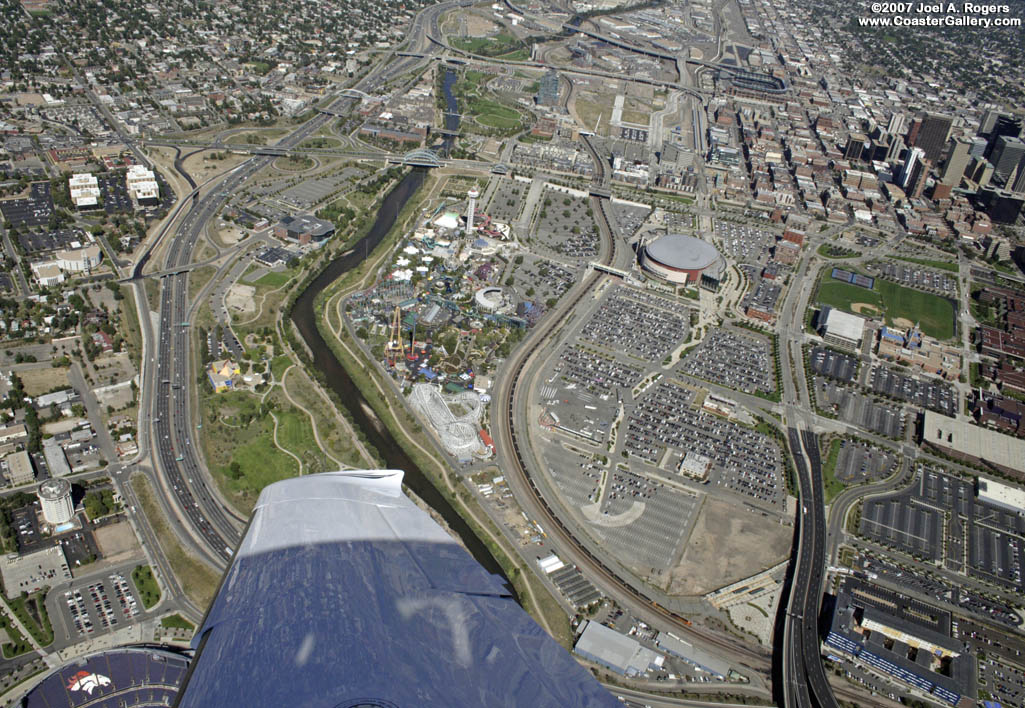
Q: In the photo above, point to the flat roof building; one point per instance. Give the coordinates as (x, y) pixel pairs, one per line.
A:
(19, 468)
(1000, 494)
(142, 183)
(971, 442)
(303, 228)
(615, 651)
(84, 190)
(841, 328)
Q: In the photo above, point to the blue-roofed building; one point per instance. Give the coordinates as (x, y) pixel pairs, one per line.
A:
(344, 593)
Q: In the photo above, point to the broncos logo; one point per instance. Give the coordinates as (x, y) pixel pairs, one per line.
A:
(88, 682)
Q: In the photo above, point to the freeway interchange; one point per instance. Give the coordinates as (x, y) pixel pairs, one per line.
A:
(181, 474)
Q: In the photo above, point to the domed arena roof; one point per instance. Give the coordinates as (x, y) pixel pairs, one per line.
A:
(682, 252)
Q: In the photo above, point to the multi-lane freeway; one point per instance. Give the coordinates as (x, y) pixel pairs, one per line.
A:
(182, 474)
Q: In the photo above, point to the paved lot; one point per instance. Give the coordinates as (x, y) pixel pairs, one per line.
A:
(827, 362)
(629, 218)
(734, 360)
(860, 410)
(638, 323)
(927, 393)
(565, 226)
(858, 462)
(100, 606)
(664, 425)
(983, 540)
(915, 276)
(943, 591)
(744, 244)
(598, 374)
(507, 200)
(114, 193)
(42, 241)
(33, 211)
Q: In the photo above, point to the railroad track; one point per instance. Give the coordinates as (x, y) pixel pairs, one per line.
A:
(759, 661)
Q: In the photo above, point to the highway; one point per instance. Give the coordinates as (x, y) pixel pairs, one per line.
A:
(182, 475)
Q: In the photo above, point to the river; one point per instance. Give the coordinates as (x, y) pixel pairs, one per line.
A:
(304, 317)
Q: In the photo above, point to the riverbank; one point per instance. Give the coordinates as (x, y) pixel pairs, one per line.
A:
(390, 413)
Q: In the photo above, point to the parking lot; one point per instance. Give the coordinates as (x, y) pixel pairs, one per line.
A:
(507, 201)
(827, 362)
(858, 462)
(565, 225)
(927, 393)
(860, 410)
(657, 517)
(91, 609)
(962, 598)
(915, 276)
(664, 426)
(628, 217)
(33, 211)
(34, 242)
(598, 374)
(1004, 683)
(734, 360)
(114, 193)
(742, 243)
(912, 521)
(641, 324)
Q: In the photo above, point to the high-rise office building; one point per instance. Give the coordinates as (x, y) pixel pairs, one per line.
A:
(896, 125)
(857, 143)
(1007, 153)
(978, 146)
(932, 135)
(911, 163)
(1005, 126)
(896, 148)
(957, 162)
(988, 120)
(1018, 186)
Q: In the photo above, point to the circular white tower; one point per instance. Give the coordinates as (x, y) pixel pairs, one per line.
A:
(471, 209)
(55, 498)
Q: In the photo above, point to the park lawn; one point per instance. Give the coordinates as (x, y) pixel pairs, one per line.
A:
(274, 279)
(279, 365)
(934, 313)
(237, 430)
(942, 265)
(27, 609)
(843, 296)
(516, 55)
(494, 115)
(176, 622)
(830, 484)
(501, 44)
(146, 584)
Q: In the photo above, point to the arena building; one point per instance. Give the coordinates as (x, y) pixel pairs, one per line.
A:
(681, 259)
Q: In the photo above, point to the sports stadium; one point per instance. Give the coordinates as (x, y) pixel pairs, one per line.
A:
(682, 259)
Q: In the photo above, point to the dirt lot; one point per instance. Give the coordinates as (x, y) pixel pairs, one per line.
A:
(729, 543)
(42, 379)
(117, 542)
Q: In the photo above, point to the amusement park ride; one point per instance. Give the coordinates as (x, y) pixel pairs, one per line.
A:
(396, 349)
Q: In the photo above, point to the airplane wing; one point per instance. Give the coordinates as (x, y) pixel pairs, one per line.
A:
(344, 593)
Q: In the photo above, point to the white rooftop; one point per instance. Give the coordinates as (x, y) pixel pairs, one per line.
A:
(973, 440)
(1002, 494)
(843, 324)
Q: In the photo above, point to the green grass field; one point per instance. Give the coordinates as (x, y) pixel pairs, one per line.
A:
(493, 114)
(146, 584)
(935, 314)
(279, 365)
(830, 484)
(274, 279)
(176, 622)
(501, 45)
(844, 295)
